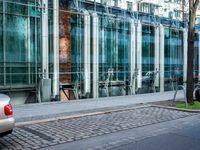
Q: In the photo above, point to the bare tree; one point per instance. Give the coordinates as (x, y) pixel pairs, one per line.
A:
(191, 33)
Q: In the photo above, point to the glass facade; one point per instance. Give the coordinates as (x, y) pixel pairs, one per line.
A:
(85, 52)
(173, 58)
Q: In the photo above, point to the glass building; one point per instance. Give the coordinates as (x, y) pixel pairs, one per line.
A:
(54, 50)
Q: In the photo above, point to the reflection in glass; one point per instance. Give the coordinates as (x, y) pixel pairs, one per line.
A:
(148, 58)
(173, 65)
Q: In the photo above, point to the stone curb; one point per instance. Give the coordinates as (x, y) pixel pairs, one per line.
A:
(174, 108)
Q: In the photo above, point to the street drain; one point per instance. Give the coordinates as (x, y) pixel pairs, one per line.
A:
(41, 135)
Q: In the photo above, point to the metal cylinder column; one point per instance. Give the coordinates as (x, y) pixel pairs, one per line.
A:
(55, 48)
(162, 63)
(95, 52)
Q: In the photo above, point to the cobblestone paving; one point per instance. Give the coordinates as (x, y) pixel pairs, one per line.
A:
(41, 135)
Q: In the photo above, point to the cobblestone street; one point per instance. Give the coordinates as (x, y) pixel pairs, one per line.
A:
(46, 134)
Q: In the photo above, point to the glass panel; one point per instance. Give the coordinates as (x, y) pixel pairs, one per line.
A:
(1, 6)
(148, 59)
(113, 56)
(173, 58)
(15, 8)
(16, 49)
(123, 58)
(1, 50)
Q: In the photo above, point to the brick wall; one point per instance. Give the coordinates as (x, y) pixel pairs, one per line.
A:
(65, 51)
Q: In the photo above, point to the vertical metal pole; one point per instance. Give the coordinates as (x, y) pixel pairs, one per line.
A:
(29, 50)
(103, 46)
(162, 62)
(132, 55)
(139, 53)
(116, 48)
(55, 48)
(4, 43)
(87, 76)
(156, 58)
(45, 49)
(95, 49)
(185, 37)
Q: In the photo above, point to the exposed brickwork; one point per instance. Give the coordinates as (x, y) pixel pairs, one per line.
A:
(65, 51)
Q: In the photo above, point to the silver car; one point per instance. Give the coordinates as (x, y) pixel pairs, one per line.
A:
(6, 115)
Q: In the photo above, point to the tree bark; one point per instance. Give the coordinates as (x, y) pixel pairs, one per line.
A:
(191, 33)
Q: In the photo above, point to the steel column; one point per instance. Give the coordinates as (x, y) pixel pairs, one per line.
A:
(55, 48)
(95, 52)
(87, 72)
(162, 62)
(156, 58)
(45, 49)
(139, 54)
(132, 55)
(185, 37)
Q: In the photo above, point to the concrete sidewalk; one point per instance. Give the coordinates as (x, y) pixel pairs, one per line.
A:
(36, 112)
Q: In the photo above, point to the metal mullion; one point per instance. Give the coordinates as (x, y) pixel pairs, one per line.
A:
(4, 44)
(117, 48)
(103, 47)
(29, 48)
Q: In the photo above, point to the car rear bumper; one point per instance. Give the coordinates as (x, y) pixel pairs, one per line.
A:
(6, 125)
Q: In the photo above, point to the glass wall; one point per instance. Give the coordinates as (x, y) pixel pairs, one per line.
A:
(148, 58)
(31, 64)
(20, 49)
(173, 63)
(114, 51)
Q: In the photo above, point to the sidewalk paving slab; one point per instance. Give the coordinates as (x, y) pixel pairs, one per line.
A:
(41, 111)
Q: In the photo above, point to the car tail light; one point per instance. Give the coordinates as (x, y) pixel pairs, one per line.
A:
(8, 110)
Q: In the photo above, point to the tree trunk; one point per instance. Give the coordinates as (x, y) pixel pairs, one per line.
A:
(190, 60)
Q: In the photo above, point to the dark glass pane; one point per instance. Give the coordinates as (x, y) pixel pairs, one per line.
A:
(1, 6)
(16, 49)
(1, 50)
(173, 58)
(15, 8)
